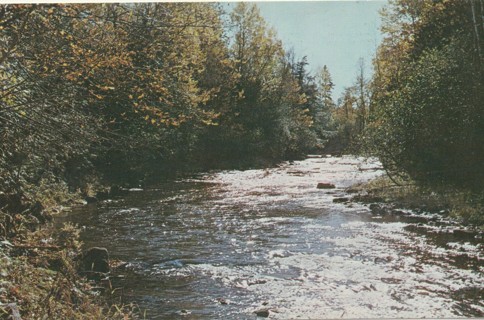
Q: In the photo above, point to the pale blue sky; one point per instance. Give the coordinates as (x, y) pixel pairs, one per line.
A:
(332, 33)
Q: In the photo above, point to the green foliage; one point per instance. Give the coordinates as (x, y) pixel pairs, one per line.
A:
(351, 114)
(324, 121)
(121, 92)
(346, 119)
(42, 123)
(271, 111)
(428, 123)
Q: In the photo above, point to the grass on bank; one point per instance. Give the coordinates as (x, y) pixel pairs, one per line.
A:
(465, 206)
(38, 273)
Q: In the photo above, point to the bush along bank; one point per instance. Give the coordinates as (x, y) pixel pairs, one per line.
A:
(42, 269)
(385, 196)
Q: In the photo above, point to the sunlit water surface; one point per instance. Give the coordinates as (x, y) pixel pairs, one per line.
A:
(227, 244)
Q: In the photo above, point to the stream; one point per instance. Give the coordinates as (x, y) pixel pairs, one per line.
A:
(234, 244)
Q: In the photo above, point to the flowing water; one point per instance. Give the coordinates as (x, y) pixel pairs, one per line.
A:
(228, 244)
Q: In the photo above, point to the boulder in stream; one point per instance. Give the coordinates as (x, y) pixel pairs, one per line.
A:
(91, 199)
(117, 191)
(465, 235)
(223, 301)
(325, 185)
(263, 313)
(95, 260)
(379, 208)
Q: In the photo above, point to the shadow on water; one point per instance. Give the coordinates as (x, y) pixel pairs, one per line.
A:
(231, 243)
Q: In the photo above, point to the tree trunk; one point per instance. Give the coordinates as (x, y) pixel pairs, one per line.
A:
(476, 32)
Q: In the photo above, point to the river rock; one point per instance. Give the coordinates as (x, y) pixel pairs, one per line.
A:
(325, 185)
(341, 200)
(184, 312)
(102, 195)
(90, 199)
(465, 235)
(381, 208)
(367, 198)
(397, 212)
(38, 211)
(116, 191)
(263, 313)
(95, 259)
(222, 301)
(15, 311)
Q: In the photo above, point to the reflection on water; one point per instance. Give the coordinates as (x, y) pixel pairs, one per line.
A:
(227, 244)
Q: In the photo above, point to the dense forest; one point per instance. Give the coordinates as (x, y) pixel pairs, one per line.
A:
(422, 111)
(117, 93)
(97, 95)
(428, 119)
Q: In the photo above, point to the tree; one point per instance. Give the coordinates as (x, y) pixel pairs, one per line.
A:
(363, 100)
(346, 118)
(428, 117)
(111, 88)
(120, 92)
(163, 98)
(267, 116)
(324, 121)
(43, 123)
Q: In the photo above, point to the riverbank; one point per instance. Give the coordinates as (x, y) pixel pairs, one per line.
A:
(39, 274)
(465, 207)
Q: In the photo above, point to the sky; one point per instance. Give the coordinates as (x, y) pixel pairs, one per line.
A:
(332, 33)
